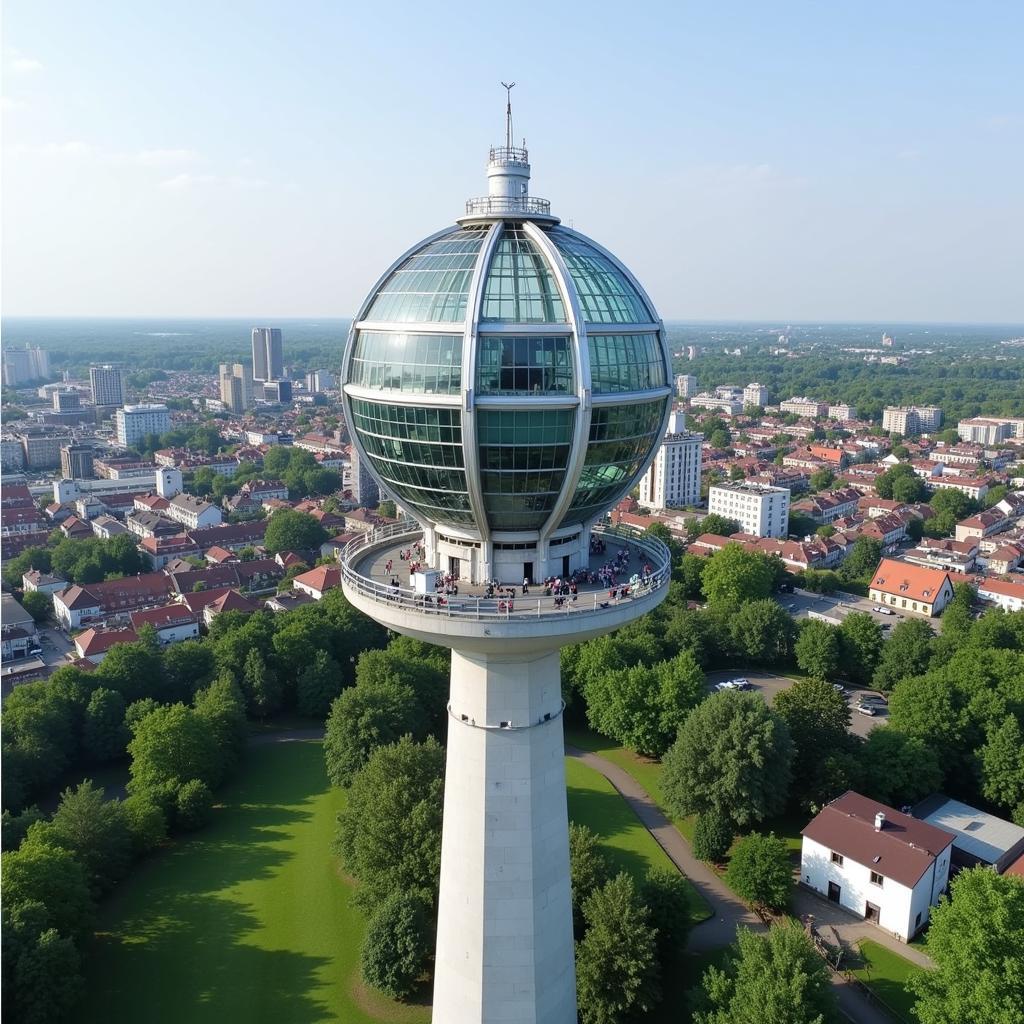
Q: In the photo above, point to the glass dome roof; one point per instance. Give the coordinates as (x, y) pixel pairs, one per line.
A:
(508, 376)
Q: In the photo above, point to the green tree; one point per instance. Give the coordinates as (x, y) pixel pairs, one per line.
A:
(822, 479)
(759, 871)
(690, 570)
(616, 960)
(37, 604)
(15, 826)
(642, 707)
(170, 746)
(135, 669)
(863, 559)
(732, 755)
(818, 718)
(817, 649)
(777, 976)
(949, 507)
(389, 835)
(104, 734)
(665, 893)
(52, 878)
(387, 509)
(712, 836)
(188, 667)
(906, 653)
(734, 575)
(47, 978)
(289, 530)
(398, 943)
(1001, 763)
(365, 718)
(762, 631)
(222, 707)
(588, 869)
(319, 684)
(898, 769)
(720, 526)
(146, 821)
(901, 483)
(975, 939)
(860, 647)
(194, 805)
(263, 691)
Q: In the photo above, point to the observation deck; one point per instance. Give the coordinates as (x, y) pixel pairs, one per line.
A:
(471, 621)
(527, 207)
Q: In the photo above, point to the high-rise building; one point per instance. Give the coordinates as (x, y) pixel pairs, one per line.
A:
(66, 401)
(362, 483)
(107, 383)
(12, 454)
(673, 478)
(521, 446)
(755, 394)
(760, 509)
(277, 391)
(842, 412)
(42, 446)
(686, 385)
(984, 431)
(21, 365)
(76, 461)
(809, 407)
(236, 386)
(319, 380)
(134, 422)
(267, 354)
(910, 420)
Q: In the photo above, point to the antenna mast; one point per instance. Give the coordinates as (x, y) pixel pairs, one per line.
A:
(509, 86)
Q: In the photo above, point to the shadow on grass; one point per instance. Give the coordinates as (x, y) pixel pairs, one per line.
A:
(608, 815)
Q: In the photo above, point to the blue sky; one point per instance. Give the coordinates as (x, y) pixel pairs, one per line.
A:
(784, 161)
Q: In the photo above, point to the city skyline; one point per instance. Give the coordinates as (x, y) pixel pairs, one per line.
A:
(766, 167)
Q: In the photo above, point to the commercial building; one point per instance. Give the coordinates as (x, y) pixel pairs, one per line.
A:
(842, 412)
(107, 385)
(877, 862)
(267, 354)
(686, 385)
(808, 407)
(755, 394)
(910, 420)
(21, 365)
(910, 588)
(761, 510)
(236, 386)
(134, 422)
(978, 837)
(76, 461)
(984, 431)
(279, 391)
(41, 446)
(66, 401)
(673, 478)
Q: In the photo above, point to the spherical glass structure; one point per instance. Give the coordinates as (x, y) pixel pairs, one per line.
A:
(507, 379)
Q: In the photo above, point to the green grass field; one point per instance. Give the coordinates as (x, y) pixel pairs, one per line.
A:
(886, 974)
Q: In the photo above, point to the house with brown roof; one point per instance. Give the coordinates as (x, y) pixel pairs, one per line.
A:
(94, 644)
(318, 580)
(877, 862)
(78, 605)
(982, 525)
(910, 588)
(210, 603)
(172, 623)
(1005, 594)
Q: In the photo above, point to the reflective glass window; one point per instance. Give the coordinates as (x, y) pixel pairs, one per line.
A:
(432, 285)
(621, 439)
(520, 287)
(625, 362)
(523, 458)
(606, 294)
(418, 453)
(429, 364)
(507, 365)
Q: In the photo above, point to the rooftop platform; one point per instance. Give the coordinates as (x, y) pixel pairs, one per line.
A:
(471, 620)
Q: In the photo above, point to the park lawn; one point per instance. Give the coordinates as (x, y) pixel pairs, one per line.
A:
(886, 974)
(249, 920)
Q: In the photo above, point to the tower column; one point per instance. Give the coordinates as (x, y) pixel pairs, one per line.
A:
(504, 937)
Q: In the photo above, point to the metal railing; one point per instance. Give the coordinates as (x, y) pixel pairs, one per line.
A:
(500, 205)
(505, 154)
(499, 609)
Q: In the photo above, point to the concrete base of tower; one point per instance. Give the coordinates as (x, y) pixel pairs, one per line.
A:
(504, 936)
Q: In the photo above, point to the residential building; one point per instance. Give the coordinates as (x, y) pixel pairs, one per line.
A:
(809, 407)
(41, 446)
(192, 512)
(76, 461)
(910, 588)
(318, 581)
(208, 604)
(1005, 594)
(95, 644)
(755, 394)
(160, 550)
(173, 622)
(730, 405)
(362, 483)
(44, 583)
(978, 837)
(279, 391)
(910, 420)
(760, 509)
(984, 524)
(151, 524)
(21, 365)
(18, 633)
(134, 422)
(78, 605)
(686, 385)
(877, 862)
(826, 508)
(107, 385)
(230, 535)
(842, 412)
(12, 454)
(267, 354)
(984, 431)
(973, 486)
(66, 401)
(673, 478)
(236, 387)
(287, 600)
(264, 490)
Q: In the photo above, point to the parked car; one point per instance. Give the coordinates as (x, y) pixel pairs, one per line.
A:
(35, 651)
(883, 611)
(865, 709)
(733, 684)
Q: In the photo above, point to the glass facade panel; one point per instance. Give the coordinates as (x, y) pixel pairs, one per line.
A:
(432, 285)
(429, 364)
(523, 458)
(520, 287)
(606, 294)
(507, 365)
(418, 453)
(621, 439)
(625, 362)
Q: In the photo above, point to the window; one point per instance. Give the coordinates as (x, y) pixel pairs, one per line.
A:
(837, 858)
(876, 878)
(526, 365)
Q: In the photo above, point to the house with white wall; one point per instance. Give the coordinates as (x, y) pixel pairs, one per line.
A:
(877, 862)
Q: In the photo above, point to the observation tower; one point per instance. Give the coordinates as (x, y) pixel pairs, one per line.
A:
(506, 381)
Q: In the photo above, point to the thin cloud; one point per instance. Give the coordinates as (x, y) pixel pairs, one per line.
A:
(161, 157)
(73, 149)
(25, 65)
(181, 182)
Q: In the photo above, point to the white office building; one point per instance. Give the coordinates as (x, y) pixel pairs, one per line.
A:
(686, 385)
(673, 478)
(730, 405)
(755, 394)
(107, 384)
(134, 422)
(910, 420)
(842, 412)
(808, 407)
(760, 509)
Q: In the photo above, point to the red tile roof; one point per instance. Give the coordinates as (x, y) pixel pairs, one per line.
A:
(911, 581)
(323, 577)
(94, 641)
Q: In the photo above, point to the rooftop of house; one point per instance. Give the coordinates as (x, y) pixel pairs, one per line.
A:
(914, 582)
(976, 832)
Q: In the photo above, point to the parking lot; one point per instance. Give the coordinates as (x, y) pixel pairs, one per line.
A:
(800, 602)
(768, 684)
(55, 645)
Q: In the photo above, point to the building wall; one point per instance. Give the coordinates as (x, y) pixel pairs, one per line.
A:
(673, 478)
(762, 512)
(907, 604)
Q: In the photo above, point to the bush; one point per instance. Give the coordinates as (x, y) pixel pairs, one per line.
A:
(588, 870)
(147, 823)
(398, 942)
(712, 836)
(666, 894)
(194, 804)
(759, 871)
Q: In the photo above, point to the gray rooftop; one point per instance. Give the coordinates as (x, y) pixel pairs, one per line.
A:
(976, 832)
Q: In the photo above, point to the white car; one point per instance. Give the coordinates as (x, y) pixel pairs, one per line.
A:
(734, 684)
(865, 709)
(883, 611)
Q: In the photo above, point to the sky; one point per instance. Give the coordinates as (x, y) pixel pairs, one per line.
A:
(787, 161)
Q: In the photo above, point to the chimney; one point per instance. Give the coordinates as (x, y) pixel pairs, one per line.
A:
(879, 821)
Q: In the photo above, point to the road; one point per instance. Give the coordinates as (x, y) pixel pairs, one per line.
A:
(799, 603)
(768, 684)
(55, 645)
